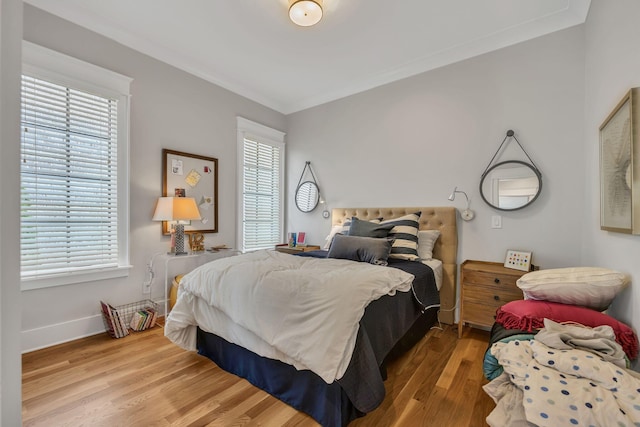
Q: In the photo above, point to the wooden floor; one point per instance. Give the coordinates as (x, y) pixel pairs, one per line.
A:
(144, 380)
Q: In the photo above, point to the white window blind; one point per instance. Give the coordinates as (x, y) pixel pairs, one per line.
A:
(261, 151)
(261, 194)
(69, 200)
(74, 171)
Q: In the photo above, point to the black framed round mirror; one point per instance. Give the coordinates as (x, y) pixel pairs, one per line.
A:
(511, 185)
(307, 196)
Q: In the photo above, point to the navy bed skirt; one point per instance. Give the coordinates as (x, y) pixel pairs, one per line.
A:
(328, 404)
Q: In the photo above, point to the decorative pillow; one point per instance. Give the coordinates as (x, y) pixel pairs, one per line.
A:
(368, 228)
(529, 315)
(426, 240)
(342, 229)
(405, 235)
(585, 286)
(363, 249)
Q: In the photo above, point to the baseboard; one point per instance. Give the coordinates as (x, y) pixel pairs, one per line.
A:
(47, 336)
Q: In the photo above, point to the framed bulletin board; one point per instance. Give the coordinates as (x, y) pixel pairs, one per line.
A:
(192, 175)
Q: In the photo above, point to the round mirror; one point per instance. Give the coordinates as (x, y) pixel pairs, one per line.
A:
(510, 185)
(307, 196)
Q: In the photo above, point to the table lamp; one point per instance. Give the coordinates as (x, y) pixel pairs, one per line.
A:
(177, 209)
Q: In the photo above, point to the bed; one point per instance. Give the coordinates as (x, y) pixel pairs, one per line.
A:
(559, 360)
(390, 325)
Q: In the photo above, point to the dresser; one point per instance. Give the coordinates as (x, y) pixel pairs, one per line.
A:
(485, 286)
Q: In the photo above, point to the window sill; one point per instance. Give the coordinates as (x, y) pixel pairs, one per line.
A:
(73, 278)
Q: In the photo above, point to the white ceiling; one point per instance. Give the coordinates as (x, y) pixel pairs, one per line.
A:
(251, 48)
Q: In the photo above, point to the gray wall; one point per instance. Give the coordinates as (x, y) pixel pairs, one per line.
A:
(410, 142)
(406, 143)
(612, 68)
(169, 109)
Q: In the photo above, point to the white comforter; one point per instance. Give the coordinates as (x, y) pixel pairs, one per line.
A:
(302, 311)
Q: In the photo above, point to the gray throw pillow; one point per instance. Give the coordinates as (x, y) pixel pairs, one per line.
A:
(362, 249)
(362, 228)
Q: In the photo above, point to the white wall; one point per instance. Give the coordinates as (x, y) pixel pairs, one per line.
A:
(612, 68)
(169, 109)
(10, 361)
(410, 142)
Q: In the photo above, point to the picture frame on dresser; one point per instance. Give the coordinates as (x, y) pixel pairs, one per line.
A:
(192, 175)
(620, 167)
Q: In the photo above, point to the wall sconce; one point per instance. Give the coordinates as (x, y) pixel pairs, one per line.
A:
(466, 214)
(325, 208)
(177, 209)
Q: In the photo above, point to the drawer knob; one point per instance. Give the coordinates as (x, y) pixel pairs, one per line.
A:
(496, 297)
(496, 280)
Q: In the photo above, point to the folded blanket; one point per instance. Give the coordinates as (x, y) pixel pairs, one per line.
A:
(600, 340)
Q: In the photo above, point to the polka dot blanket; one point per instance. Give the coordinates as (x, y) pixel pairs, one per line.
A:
(543, 386)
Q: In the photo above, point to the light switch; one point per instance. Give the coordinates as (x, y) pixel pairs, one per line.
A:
(496, 221)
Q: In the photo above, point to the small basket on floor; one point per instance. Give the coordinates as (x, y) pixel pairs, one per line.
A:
(138, 316)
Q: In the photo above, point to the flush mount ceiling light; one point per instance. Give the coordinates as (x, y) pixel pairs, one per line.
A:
(305, 12)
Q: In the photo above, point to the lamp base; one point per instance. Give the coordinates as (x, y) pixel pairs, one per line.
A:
(180, 239)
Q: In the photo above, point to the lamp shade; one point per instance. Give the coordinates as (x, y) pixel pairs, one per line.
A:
(305, 12)
(176, 209)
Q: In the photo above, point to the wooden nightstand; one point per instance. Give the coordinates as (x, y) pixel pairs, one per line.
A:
(296, 249)
(485, 286)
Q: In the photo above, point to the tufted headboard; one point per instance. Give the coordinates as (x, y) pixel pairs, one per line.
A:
(445, 249)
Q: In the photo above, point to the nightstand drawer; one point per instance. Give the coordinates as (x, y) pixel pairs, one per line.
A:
(479, 314)
(483, 278)
(490, 295)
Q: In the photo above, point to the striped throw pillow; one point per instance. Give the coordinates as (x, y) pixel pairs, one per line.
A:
(405, 235)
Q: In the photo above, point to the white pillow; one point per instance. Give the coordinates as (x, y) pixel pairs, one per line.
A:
(334, 230)
(590, 287)
(426, 240)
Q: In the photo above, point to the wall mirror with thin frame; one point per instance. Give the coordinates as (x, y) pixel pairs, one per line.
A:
(307, 196)
(510, 185)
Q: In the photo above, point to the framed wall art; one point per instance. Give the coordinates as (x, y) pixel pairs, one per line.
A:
(192, 175)
(518, 260)
(620, 167)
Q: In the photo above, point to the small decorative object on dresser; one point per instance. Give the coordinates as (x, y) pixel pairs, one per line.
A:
(519, 260)
(485, 286)
(196, 242)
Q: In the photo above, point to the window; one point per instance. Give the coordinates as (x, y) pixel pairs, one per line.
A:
(261, 185)
(74, 171)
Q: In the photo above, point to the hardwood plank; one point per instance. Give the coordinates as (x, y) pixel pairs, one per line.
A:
(145, 380)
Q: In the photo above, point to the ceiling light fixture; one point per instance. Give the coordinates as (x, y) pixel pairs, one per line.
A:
(305, 12)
